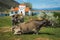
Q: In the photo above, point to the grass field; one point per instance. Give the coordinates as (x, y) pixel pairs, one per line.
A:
(5, 21)
(44, 34)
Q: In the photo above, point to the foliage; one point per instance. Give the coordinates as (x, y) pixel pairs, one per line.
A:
(57, 14)
(50, 16)
(42, 15)
(28, 4)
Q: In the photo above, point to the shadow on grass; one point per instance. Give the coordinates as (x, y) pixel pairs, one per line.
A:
(37, 34)
(47, 33)
(31, 33)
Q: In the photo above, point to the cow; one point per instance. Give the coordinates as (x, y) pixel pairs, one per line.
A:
(31, 26)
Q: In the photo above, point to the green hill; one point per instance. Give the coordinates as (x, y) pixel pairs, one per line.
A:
(7, 4)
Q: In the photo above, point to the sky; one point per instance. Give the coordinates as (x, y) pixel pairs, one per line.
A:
(38, 4)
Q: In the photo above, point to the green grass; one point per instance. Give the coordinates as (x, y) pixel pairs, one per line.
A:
(50, 33)
(26, 18)
(5, 21)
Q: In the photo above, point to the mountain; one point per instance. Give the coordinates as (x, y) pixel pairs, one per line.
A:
(7, 4)
(55, 8)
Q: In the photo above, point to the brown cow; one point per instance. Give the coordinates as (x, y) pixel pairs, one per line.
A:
(32, 26)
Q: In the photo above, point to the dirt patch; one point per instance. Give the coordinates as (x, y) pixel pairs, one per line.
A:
(16, 39)
(5, 29)
(42, 39)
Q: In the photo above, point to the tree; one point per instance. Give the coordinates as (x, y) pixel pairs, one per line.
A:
(28, 4)
(42, 15)
(50, 16)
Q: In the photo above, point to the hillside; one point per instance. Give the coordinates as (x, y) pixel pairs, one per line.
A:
(7, 4)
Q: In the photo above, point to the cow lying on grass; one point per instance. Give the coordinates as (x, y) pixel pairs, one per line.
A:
(32, 26)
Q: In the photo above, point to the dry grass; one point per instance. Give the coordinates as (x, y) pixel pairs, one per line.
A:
(5, 29)
(43, 39)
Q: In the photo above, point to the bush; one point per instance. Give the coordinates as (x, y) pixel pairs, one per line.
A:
(53, 17)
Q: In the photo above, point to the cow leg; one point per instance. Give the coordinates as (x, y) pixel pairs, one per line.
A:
(35, 31)
(13, 28)
(17, 30)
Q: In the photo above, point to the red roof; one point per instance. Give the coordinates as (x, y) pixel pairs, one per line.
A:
(16, 9)
(27, 9)
(22, 5)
